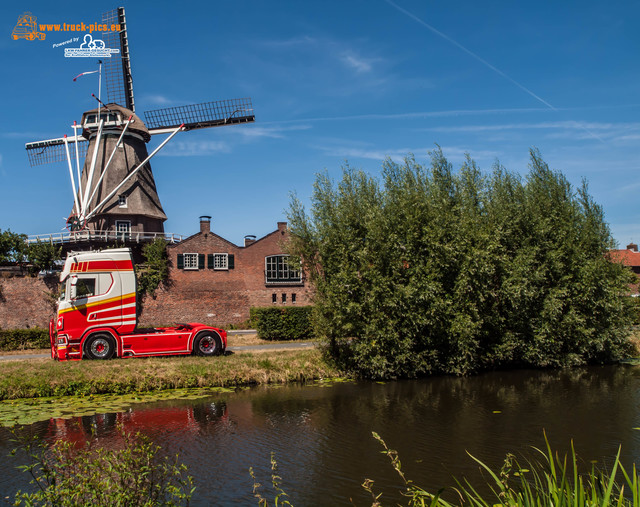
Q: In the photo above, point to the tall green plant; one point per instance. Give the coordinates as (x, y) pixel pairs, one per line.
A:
(430, 270)
(155, 268)
(134, 475)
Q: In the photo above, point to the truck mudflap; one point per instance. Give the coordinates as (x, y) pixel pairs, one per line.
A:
(52, 338)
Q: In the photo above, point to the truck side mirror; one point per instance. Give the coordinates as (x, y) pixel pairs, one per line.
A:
(72, 287)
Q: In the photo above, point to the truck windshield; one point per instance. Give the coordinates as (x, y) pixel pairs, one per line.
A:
(63, 290)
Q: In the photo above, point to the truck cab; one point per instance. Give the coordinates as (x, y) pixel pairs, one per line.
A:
(97, 314)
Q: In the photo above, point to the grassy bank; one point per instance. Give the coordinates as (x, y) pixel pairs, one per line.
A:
(43, 377)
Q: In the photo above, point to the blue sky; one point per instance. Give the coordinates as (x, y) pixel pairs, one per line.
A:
(336, 81)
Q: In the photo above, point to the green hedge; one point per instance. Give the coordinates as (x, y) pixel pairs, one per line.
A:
(23, 339)
(282, 323)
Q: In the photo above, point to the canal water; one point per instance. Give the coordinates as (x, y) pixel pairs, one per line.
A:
(321, 434)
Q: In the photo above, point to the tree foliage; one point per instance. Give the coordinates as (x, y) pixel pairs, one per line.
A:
(435, 271)
(12, 247)
(39, 256)
(155, 269)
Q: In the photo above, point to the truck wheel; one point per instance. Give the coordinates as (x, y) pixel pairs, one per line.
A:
(100, 346)
(207, 343)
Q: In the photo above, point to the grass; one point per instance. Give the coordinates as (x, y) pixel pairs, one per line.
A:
(43, 377)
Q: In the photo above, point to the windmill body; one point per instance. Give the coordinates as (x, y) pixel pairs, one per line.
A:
(136, 206)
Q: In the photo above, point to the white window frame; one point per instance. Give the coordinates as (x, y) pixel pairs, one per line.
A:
(122, 201)
(278, 264)
(125, 222)
(190, 261)
(224, 261)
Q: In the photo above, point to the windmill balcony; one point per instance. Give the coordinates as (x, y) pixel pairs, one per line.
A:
(63, 238)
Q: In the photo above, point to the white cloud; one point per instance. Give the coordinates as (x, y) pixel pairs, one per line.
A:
(418, 114)
(195, 148)
(358, 64)
(454, 154)
(160, 100)
(251, 131)
(569, 129)
(305, 40)
(397, 155)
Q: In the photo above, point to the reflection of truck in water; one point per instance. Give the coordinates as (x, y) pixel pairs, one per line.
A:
(154, 421)
(97, 315)
(26, 28)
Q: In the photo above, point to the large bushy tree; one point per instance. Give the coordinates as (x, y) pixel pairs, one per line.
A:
(13, 247)
(39, 255)
(435, 271)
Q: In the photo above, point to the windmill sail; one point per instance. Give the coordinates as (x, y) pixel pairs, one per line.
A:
(117, 69)
(198, 116)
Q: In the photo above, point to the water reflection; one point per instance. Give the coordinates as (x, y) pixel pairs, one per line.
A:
(322, 436)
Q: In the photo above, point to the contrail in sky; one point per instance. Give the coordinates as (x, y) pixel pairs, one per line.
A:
(481, 60)
(470, 53)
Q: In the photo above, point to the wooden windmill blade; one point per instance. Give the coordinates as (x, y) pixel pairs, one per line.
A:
(117, 69)
(199, 116)
(53, 150)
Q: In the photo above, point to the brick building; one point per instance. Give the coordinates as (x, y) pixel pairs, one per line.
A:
(629, 257)
(213, 281)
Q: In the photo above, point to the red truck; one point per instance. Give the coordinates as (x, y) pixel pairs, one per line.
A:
(97, 317)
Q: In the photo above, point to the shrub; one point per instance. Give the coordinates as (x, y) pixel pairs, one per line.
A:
(134, 475)
(432, 271)
(282, 323)
(155, 268)
(24, 339)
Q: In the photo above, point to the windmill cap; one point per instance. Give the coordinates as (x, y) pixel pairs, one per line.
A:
(137, 126)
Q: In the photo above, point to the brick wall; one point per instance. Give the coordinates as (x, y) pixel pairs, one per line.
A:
(220, 297)
(25, 302)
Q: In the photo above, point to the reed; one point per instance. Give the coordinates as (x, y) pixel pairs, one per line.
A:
(551, 480)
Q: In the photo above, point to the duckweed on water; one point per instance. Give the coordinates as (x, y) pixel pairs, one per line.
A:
(34, 410)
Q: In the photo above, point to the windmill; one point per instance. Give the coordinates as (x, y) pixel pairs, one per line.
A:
(116, 193)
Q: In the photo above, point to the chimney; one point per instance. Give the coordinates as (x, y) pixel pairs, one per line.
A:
(205, 224)
(633, 247)
(248, 239)
(282, 227)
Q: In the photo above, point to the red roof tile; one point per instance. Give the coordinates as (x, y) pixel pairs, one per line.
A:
(626, 257)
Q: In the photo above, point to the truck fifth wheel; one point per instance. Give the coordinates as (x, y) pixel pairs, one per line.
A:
(97, 317)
